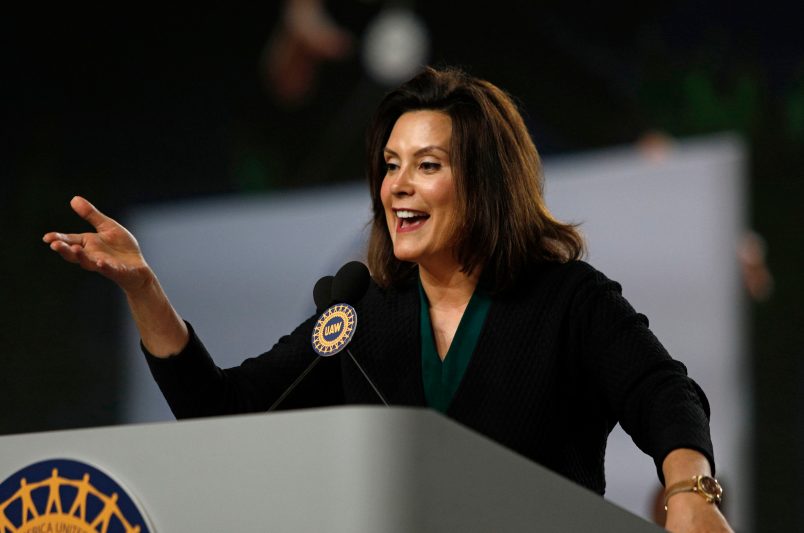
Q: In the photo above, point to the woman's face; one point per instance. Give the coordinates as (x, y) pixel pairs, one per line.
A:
(418, 191)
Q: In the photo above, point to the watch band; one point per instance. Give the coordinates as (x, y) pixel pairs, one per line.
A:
(707, 486)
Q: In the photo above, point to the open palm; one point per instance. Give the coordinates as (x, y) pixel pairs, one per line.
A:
(111, 250)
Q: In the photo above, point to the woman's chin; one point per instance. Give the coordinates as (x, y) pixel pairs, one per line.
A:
(406, 256)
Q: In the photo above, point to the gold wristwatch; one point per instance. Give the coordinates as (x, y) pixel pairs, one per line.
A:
(706, 486)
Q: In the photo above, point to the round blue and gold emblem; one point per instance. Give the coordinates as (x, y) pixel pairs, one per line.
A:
(67, 495)
(334, 329)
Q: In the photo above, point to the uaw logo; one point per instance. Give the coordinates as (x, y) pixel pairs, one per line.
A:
(334, 329)
(64, 496)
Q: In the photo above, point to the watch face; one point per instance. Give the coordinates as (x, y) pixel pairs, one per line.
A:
(710, 486)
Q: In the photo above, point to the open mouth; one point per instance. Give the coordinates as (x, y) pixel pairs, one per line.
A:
(408, 220)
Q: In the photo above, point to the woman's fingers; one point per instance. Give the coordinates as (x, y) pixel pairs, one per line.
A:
(89, 212)
(73, 253)
(68, 245)
(69, 238)
(63, 250)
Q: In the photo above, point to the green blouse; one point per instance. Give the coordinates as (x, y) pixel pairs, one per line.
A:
(442, 378)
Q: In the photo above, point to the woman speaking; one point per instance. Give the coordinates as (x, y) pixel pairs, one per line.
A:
(479, 307)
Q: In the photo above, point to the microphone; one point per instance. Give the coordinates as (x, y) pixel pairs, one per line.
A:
(336, 326)
(322, 293)
(350, 283)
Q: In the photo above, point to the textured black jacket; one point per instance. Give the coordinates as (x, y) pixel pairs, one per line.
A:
(561, 359)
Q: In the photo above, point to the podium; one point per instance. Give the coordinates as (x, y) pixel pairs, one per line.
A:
(344, 469)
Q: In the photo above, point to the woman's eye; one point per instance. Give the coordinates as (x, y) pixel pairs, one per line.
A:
(390, 167)
(430, 166)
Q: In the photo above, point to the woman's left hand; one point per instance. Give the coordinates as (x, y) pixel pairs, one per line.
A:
(688, 512)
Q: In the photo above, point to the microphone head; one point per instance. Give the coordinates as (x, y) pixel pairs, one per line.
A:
(350, 283)
(322, 293)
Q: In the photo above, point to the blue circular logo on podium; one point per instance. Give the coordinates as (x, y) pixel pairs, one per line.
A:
(67, 495)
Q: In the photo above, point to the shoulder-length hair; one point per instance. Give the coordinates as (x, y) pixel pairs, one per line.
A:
(504, 222)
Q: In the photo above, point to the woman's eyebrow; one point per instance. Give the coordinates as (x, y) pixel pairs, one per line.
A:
(420, 151)
(431, 148)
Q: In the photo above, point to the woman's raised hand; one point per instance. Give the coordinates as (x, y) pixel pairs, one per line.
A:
(111, 250)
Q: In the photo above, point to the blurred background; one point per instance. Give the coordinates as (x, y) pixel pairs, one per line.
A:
(170, 105)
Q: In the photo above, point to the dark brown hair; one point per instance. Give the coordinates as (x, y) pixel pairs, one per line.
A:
(505, 224)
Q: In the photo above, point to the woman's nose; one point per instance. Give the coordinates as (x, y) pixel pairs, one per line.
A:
(401, 184)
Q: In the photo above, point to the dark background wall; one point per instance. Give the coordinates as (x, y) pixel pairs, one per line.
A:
(172, 104)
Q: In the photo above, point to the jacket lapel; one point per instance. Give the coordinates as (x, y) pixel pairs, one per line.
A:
(390, 344)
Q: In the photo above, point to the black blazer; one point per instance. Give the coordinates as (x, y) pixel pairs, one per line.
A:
(561, 359)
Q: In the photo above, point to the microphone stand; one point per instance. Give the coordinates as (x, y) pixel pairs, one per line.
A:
(310, 367)
(373, 386)
(293, 385)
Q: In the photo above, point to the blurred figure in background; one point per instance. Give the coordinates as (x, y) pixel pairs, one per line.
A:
(305, 35)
